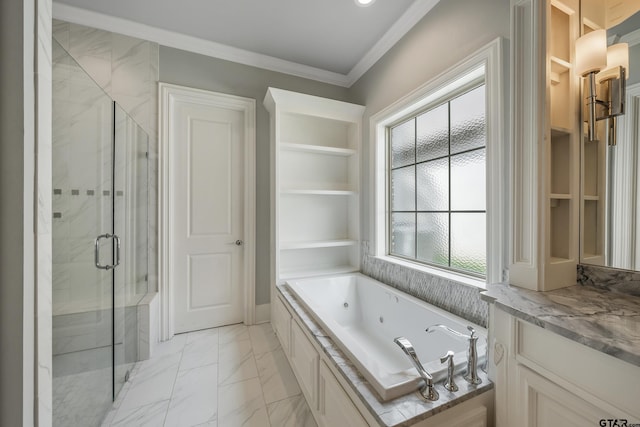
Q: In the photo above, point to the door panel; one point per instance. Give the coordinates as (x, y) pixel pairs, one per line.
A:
(206, 149)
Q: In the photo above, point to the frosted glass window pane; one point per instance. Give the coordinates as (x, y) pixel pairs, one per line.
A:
(468, 183)
(468, 242)
(468, 121)
(433, 134)
(433, 238)
(403, 234)
(403, 189)
(403, 144)
(433, 185)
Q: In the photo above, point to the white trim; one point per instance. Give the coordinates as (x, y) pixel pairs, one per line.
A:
(633, 38)
(217, 50)
(167, 95)
(488, 61)
(623, 238)
(407, 21)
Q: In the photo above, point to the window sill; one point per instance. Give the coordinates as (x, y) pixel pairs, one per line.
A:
(459, 278)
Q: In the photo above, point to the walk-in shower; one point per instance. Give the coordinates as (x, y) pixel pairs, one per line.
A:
(100, 177)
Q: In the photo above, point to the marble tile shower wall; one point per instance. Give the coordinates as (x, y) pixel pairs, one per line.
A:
(81, 138)
(126, 68)
(459, 299)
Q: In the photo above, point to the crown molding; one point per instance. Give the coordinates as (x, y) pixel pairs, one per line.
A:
(633, 38)
(406, 22)
(193, 44)
(181, 41)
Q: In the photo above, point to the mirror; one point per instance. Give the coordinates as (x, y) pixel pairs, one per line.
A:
(610, 201)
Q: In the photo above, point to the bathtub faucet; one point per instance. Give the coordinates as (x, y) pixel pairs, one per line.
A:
(428, 391)
(472, 354)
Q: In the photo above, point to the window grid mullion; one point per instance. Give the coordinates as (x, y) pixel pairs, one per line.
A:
(415, 186)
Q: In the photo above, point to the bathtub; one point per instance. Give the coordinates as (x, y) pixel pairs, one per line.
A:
(363, 316)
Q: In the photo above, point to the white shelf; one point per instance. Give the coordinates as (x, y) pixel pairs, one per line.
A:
(319, 192)
(560, 196)
(317, 149)
(317, 244)
(315, 185)
(298, 274)
(556, 260)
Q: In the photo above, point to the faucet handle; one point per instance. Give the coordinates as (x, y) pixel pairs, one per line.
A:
(449, 384)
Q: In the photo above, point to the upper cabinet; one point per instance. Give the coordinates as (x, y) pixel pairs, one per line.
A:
(315, 185)
(546, 151)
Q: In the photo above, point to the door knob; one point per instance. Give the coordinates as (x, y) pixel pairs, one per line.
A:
(237, 243)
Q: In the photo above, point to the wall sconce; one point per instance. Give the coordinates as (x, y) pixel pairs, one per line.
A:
(610, 67)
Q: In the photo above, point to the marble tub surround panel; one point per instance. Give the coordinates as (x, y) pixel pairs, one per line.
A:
(605, 321)
(401, 412)
(457, 298)
(613, 279)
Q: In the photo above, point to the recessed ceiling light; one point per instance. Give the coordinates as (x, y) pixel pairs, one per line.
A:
(364, 3)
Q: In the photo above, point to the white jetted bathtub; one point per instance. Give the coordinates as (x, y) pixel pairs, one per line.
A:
(364, 316)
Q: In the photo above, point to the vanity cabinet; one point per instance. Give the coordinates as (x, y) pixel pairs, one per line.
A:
(304, 361)
(546, 380)
(334, 406)
(546, 152)
(315, 149)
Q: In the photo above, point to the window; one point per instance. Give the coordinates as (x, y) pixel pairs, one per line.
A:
(439, 176)
(437, 184)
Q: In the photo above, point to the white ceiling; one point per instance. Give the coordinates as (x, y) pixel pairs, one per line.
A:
(331, 39)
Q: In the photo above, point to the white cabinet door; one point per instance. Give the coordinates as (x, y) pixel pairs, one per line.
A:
(335, 406)
(304, 359)
(545, 404)
(282, 324)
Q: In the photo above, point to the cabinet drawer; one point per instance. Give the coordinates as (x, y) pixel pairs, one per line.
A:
(282, 324)
(335, 406)
(304, 359)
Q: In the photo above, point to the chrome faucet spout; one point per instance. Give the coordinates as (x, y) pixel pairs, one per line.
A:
(428, 391)
(471, 376)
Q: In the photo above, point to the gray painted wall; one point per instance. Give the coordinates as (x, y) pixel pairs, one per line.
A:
(202, 72)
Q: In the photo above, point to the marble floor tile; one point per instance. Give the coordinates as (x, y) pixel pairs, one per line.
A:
(263, 339)
(233, 333)
(153, 382)
(277, 378)
(200, 349)
(194, 399)
(291, 412)
(236, 362)
(242, 404)
(227, 377)
(151, 415)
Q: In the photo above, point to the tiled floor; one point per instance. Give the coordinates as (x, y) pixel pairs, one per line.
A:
(227, 377)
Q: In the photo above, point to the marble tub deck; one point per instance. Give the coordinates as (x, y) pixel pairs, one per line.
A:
(401, 412)
(599, 318)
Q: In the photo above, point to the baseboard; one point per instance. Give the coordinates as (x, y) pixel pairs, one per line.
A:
(263, 313)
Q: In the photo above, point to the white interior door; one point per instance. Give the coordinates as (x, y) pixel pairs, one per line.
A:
(206, 169)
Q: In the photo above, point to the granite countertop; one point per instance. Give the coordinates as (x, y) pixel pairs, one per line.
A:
(402, 411)
(599, 318)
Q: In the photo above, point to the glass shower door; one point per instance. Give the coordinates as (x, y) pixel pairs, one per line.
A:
(130, 224)
(82, 210)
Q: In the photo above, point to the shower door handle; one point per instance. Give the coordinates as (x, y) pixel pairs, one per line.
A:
(97, 251)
